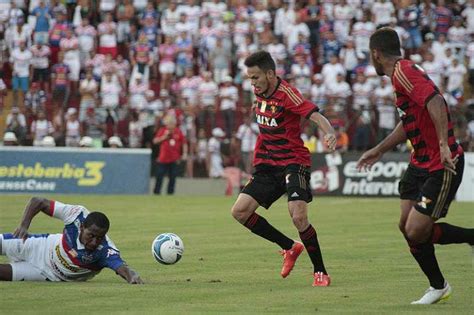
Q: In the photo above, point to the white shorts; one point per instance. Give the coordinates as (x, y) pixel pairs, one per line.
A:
(74, 68)
(30, 258)
(167, 67)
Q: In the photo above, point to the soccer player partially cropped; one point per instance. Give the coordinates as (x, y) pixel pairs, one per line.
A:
(436, 164)
(282, 165)
(78, 254)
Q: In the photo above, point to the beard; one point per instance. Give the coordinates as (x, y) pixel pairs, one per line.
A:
(379, 69)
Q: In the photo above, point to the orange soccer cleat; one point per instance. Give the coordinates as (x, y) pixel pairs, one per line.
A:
(321, 280)
(289, 258)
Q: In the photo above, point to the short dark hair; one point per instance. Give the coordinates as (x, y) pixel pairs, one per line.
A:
(261, 59)
(386, 40)
(98, 219)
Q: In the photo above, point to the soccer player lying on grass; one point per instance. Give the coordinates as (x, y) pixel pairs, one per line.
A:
(78, 254)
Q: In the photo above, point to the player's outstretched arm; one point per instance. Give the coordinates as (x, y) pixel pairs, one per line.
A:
(129, 274)
(371, 156)
(34, 206)
(437, 109)
(329, 134)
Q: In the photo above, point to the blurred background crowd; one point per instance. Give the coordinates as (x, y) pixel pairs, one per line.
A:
(113, 73)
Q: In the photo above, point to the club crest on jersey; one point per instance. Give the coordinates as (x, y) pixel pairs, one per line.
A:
(87, 258)
(401, 113)
(266, 121)
(263, 106)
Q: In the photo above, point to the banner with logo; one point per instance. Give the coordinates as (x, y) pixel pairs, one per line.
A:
(74, 171)
(336, 174)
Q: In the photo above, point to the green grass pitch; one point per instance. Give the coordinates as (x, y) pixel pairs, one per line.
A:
(225, 268)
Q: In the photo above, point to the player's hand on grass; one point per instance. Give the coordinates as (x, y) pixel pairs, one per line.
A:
(368, 159)
(21, 232)
(330, 141)
(448, 162)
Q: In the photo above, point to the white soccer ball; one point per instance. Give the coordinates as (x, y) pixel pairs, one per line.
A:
(167, 248)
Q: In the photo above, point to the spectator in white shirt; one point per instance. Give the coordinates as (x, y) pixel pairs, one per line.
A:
(361, 32)
(362, 92)
(295, 30)
(228, 96)
(457, 36)
(439, 48)
(40, 128)
(208, 92)
(21, 59)
(16, 123)
(384, 103)
(318, 91)
(285, 17)
(88, 89)
(260, 17)
(247, 134)
(87, 36)
(455, 74)
(468, 14)
(433, 70)
(110, 90)
(219, 60)
(40, 62)
(301, 74)
(339, 92)
(330, 70)
(169, 19)
(382, 12)
(137, 90)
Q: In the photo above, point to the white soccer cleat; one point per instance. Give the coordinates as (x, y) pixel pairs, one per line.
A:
(433, 295)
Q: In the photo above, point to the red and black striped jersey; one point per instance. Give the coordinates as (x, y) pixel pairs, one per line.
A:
(279, 119)
(414, 90)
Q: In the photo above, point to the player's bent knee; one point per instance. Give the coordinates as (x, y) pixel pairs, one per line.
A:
(401, 227)
(300, 221)
(415, 234)
(240, 214)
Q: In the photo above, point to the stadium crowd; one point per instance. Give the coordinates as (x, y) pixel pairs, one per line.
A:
(105, 73)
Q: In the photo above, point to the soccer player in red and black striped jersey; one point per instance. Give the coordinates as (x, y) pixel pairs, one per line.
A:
(282, 164)
(436, 164)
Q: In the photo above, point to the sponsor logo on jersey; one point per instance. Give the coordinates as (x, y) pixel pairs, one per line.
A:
(266, 121)
(64, 261)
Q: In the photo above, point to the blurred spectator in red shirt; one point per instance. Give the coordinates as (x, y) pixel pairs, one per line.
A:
(173, 148)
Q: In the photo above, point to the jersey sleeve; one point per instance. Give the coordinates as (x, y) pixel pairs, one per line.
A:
(412, 80)
(112, 257)
(297, 104)
(66, 213)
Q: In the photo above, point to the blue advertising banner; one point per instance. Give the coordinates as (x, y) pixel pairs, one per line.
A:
(74, 171)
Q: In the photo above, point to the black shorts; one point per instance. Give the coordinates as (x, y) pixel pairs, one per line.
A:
(433, 191)
(40, 75)
(267, 185)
